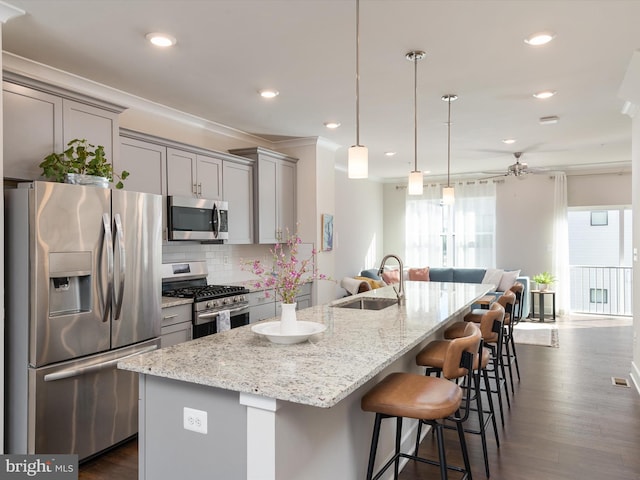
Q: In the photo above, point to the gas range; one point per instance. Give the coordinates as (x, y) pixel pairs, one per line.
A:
(210, 302)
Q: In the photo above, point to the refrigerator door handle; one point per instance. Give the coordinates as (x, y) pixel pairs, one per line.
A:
(106, 223)
(121, 252)
(76, 372)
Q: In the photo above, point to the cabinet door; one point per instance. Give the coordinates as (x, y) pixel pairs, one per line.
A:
(286, 188)
(32, 130)
(237, 181)
(146, 162)
(181, 173)
(97, 126)
(267, 200)
(209, 176)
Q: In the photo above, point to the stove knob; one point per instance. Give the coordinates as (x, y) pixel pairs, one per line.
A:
(225, 301)
(210, 304)
(236, 299)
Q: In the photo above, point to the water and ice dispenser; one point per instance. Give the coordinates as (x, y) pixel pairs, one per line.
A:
(70, 276)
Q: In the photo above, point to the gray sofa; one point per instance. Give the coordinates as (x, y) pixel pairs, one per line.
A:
(465, 275)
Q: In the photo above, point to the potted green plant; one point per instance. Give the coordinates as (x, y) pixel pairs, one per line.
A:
(81, 163)
(543, 280)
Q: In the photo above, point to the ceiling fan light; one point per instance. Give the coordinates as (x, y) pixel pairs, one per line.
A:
(448, 195)
(415, 186)
(160, 39)
(358, 162)
(544, 94)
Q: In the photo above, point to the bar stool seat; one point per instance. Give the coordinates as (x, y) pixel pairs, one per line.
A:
(411, 395)
(428, 400)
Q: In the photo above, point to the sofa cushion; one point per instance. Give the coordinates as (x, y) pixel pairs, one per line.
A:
(420, 274)
(441, 274)
(468, 275)
(493, 276)
(507, 280)
(391, 276)
(371, 273)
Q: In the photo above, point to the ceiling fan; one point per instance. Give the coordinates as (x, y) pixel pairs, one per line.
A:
(518, 169)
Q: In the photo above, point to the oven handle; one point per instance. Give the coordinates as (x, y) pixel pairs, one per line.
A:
(215, 314)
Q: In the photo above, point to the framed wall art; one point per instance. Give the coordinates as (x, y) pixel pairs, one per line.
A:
(327, 232)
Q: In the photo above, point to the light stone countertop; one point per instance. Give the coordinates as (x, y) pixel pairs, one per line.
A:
(174, 301)
(357, 345)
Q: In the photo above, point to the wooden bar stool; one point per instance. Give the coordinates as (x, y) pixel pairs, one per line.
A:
(427, 399)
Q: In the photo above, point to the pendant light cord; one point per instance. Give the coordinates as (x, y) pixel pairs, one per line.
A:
(449, 144)
(415, 111)
(358, 72)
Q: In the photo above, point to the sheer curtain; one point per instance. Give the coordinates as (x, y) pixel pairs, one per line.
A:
(561, 244)
(461, 235)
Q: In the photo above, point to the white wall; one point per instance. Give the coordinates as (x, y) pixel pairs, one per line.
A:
(610, 189)
(358, 225)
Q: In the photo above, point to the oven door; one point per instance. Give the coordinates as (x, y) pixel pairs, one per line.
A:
(206, 322)
(192, 218)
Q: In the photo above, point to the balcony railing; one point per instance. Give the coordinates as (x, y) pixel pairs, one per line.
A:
(602, 290)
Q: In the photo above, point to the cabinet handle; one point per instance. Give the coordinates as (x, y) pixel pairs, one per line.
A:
(167, 317)
(194, 189)
(199, 189)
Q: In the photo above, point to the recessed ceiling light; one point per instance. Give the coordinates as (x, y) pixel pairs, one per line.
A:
(389, 154)
(549, 120)
(332, 124)
(545, 94)
(269, 93)
(509, 141)
(161, 39)
(540, 38)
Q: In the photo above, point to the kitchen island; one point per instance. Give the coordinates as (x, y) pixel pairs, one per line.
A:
(285, 412)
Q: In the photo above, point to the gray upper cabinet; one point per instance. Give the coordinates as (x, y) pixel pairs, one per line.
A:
(32, 130)
(193, 174)
(146, 163)
(275, 193)
(40, 119)
(237, 188)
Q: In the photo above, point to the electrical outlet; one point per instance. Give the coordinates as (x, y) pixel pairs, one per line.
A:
(225, 259)
(195, 420)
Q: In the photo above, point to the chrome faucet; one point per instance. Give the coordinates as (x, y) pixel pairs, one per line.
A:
(400, 291)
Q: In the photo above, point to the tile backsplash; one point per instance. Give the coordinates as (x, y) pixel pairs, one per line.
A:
(224, 261)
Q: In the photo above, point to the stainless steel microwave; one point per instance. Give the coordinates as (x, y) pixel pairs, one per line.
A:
(197, 219)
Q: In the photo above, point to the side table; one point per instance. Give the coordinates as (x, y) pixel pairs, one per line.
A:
(540, 294)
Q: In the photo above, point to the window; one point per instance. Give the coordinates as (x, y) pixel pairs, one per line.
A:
(461, 235)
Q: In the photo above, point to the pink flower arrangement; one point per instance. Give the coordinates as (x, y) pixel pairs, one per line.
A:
(287, 273)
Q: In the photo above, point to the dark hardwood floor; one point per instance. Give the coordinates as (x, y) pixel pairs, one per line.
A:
(567, 421)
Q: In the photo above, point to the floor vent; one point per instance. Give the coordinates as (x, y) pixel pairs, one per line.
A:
(620, 382)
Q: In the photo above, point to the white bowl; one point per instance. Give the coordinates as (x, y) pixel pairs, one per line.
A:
(304, 330)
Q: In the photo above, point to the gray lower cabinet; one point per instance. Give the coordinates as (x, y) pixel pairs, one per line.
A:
(261, 306)
(176, 325)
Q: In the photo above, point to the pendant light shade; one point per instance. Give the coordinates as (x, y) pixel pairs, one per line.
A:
(416, 180)
(448, 194)
(416, 177)
(358, 156)
(358, 166)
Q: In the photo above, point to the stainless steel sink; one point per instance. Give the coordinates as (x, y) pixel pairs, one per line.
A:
(367, 303)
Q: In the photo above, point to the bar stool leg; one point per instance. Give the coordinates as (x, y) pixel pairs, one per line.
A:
(441, 454)
(374, 445)
(487, 387)
(515, 355)
(463, 447)
(396, 468)
(418, 438)
(508, 344)
(483, 433)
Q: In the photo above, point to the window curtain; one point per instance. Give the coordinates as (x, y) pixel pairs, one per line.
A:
(461, 235)
(560, 262)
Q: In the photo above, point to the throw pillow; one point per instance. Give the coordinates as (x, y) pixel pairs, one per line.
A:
(372, 283)
(419, 274)
(493, 276)
(507, 280)
(391, 276)
(371, 273)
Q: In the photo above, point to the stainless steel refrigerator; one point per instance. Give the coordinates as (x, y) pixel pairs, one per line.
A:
(82, 291)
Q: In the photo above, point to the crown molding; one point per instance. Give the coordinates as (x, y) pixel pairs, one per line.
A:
(7, 12)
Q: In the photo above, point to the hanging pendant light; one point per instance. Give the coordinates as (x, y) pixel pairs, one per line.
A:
(416, 178)
(358, 156)
(448, 195)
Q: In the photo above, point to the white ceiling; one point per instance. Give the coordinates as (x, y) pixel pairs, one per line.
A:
(229, 49)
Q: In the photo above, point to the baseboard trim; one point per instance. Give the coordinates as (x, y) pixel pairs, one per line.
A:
(635, 376)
